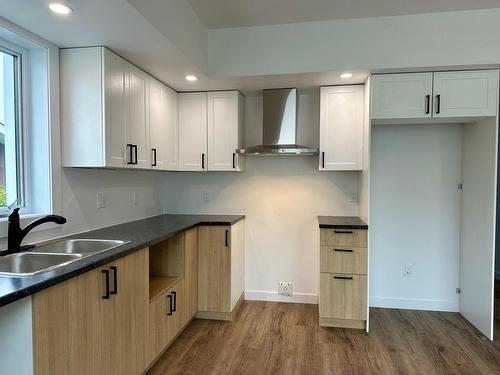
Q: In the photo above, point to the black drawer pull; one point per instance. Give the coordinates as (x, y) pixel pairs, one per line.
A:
(343, 277)
(343, 231)
(323, 160)
(202, 161)
(153, 157)
(226, 240)
(169, 312)
(438, 104)
(174, 308)
(115, 280)
(234, 160)
(427, 104)
(106, 283)
(343, 250)
(130, 149)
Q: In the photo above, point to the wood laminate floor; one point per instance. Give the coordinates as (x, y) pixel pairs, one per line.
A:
(279, 338)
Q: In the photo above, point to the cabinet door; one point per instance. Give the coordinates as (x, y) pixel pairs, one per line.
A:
(214, 267)
(71, 327)
(341, 128)
(401, 96)
(163, 127)
(466, 93)
(223, 118)
(129, 298)
(138, 132)
(193, 131)
(342, 296)
(164, 322)
(115, 108)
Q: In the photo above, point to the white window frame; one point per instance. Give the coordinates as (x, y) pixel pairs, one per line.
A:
(53, 166)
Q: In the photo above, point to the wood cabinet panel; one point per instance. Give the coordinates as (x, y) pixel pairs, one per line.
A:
(76, 331)
(343, 259)
(343, 296)
(344, 237)
(214, 269)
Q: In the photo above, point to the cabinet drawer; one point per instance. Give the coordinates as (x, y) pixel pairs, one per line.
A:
(343, 259)
(342, 296)
(343, 237)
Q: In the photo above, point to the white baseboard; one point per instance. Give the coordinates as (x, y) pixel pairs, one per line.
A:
(414, 304)
(257, 295)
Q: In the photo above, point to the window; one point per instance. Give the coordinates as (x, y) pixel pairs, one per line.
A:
(11, 187)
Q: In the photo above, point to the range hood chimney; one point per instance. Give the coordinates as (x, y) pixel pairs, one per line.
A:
(279, 126)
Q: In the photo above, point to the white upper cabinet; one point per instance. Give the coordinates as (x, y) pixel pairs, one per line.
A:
(341, 128)
(225, 130)
(138, 123)
(163, 126)
(466, 93)
(401, 96)
(193, 131)
(94, 108)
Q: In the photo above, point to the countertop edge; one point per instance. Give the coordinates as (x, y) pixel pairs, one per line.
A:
(106, 258)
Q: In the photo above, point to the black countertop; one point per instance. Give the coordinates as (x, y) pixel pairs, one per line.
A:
(140, 233)
(342, 222)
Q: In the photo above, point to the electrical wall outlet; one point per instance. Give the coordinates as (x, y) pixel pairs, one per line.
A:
(409, 271)
(285, 288)
(206, 196)
(101, 200)
(135, 199)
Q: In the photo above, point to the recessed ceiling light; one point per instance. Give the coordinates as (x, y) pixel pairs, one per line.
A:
(191, 78)
(346, 75)
(60, 8)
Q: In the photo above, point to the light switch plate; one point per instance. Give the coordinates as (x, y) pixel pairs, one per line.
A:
(101, 200)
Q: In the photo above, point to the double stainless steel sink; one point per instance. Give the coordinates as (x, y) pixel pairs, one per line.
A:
(53, 255)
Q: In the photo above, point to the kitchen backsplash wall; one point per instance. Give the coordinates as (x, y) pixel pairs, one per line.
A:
(281, 197)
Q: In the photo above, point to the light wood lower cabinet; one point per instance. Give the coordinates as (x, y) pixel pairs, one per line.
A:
(220, 271)
(76, 330)
(343, 278)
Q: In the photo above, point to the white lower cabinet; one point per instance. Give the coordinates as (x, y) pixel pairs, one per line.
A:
(341, 128)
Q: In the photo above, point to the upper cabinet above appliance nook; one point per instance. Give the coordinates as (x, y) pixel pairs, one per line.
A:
(435, 95)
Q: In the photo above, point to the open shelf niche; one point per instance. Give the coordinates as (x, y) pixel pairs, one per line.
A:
(166, 265)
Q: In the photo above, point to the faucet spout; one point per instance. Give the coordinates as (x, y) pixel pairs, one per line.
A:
(16, 234)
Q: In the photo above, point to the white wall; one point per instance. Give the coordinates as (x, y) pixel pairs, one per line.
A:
(281, 196)
(414, 41)
(415, 215)
(79, 200)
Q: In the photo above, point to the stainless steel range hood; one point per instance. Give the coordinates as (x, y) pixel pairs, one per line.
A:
(279, 126)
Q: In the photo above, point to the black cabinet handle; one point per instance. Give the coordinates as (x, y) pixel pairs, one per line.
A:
(106, 283)
(343, 231)
(174, 308)
(115, 280)
(226, 240)
(130, 152)
(343, 250)
(343, 277)
(135, 153)
(234, 160)
(427, 104)
(169, 297)
(323, 159)
(153, 162)
(202, 161)
(438, 103)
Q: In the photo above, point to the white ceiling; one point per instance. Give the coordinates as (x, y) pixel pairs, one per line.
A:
(237, 13)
